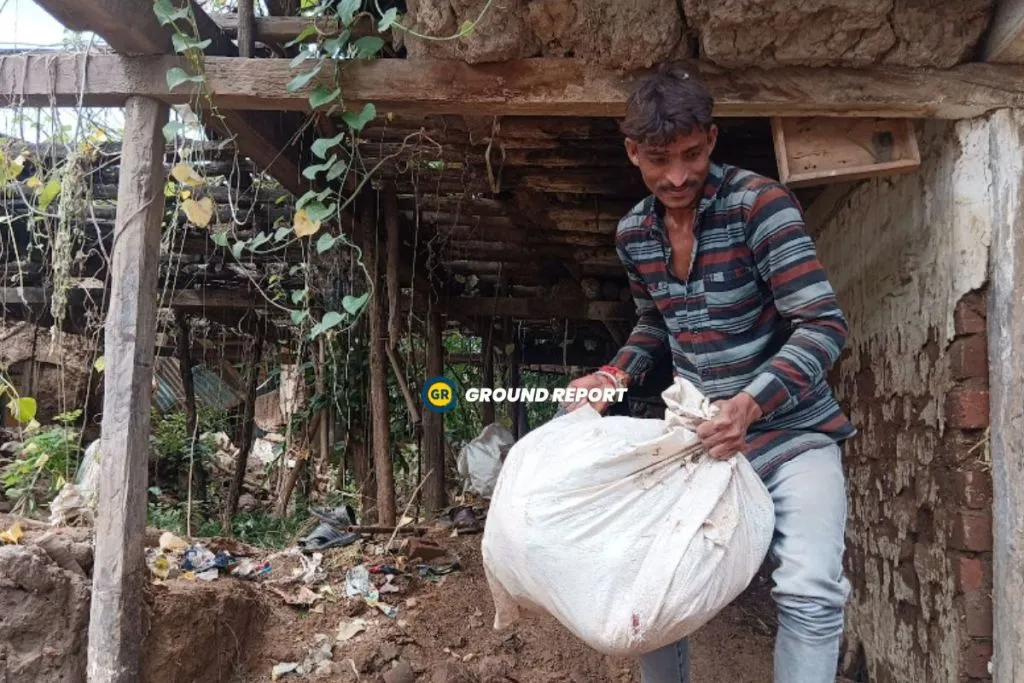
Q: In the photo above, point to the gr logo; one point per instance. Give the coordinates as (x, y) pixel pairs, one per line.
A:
(439, 394)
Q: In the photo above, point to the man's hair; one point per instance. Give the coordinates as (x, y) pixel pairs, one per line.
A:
(665, 103)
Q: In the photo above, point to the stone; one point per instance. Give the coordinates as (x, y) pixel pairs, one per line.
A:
(400, 673)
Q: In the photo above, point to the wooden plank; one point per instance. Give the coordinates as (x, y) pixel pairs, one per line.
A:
(818, 150)
(542, 87)
(1005, 42)
(1005, 323)
(434, 498)
(131, 28)
(280, 30)
(119, 574)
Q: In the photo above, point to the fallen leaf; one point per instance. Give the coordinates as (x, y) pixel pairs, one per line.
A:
(186, 175)
(199, 212)
(12, 535)
(304, 225)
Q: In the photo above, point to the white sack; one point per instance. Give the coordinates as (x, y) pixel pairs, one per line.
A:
(480, 459)
(624, 529)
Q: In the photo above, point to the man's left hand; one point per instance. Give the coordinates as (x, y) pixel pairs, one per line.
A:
(726, 434)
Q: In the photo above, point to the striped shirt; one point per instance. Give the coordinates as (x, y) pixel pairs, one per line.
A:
(756, 313)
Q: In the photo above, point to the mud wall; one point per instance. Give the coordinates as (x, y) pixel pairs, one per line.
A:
(636, 34)
(908, 257)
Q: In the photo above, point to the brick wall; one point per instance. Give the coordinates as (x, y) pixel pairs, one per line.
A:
(970, 544)
(908, 257)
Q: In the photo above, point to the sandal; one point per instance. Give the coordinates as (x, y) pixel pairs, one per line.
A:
(327, 536)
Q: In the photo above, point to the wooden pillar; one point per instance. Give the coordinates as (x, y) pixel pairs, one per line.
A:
(380, 412)
(1006, 368)
(434, 498)
(517, 409)
(248, 424)
(119, 571)
(487, 414)
(246, 28)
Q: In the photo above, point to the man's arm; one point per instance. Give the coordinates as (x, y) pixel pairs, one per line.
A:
(649, 338)
(787, 261)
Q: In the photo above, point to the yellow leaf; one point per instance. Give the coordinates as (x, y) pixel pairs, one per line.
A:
(33, 183)
(185, 194)
(186, 175)
(303, 226)
(199, 212)
(12, 535)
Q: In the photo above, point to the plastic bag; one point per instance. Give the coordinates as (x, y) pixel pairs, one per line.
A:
(624, 529)
(480, 459)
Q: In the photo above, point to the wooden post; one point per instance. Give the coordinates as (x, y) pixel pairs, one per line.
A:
(434, 498)
(246, 28)
(392, 225)
(487, 414)
(517, 409)
(119, 574)
(248, 423)
(380, 413)
(185, 366)
(1005, 322)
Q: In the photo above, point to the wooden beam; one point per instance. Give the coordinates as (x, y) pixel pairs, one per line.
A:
(540, 308)
(131, 28)
(541, 87)
(1005, 323)
(119, 575)
(1005, 42)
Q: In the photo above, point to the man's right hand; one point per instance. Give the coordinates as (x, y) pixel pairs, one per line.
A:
(592, 381)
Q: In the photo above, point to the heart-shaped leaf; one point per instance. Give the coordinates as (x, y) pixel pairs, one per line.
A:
(34, 183)
(199, 212)
(336, 170)
(389, 18)
(282, 233)
(299, 316)
(330, 319)
(176, 76)
(325, 242)
(303, 225)
(367, 47)
(322, 146)
(318, 212)
(220, 238)
(23, 410)
(306, 34)
(322, 96)
(167, 13)
(302, 80)
(183, 43)
(186, 175)
(347, 10)
(354, 304)
(172, 129)
(298, 295)
(359, 121)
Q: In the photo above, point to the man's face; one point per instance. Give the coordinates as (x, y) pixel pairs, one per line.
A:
(675, 172)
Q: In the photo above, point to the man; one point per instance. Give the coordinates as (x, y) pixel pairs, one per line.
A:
(725, 277)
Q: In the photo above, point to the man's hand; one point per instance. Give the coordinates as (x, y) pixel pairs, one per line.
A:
(592, 381)
(725, 434)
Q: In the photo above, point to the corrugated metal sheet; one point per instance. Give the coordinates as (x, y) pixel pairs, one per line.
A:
(211, 390)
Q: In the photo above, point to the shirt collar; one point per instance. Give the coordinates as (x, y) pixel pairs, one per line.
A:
(713, 183)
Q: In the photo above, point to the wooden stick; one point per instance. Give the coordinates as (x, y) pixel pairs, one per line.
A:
(246, 28)
(248, 423)
(374, 529)
(115, 622)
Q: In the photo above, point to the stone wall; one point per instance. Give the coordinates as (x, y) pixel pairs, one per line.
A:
(908, 257)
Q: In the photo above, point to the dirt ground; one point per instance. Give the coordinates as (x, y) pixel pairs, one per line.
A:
(441, 634)
(232, 630)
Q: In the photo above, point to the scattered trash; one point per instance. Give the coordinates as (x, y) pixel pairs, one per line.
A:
(301, 597)
(388, 586)
(283, 670)
(13, 535)
(250, 570)
(480, 460)
(198, 559)
(348, 630)
(169, 543)
(160, 565)
(433, 571)
(418, 549)
(358, 583)
(70, 507)
(208, 575)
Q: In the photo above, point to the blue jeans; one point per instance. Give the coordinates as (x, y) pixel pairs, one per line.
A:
(810, 589)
